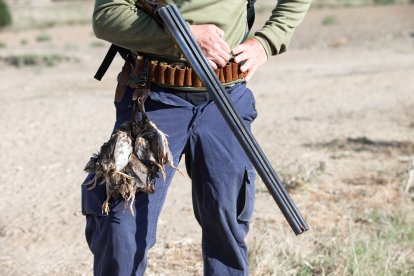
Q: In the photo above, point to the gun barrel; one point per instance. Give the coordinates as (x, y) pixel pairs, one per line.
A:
(178, 29)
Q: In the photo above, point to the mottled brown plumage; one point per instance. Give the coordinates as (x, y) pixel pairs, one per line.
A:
(131, 160)
(157, 142)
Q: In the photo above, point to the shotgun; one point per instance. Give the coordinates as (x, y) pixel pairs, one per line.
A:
(169, 18)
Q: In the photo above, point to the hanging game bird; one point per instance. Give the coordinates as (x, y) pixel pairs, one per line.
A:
(131, 160)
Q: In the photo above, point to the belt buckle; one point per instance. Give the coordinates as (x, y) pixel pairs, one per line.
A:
(143, 75)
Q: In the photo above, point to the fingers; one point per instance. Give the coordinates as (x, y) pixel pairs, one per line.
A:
(213, 64)
(250, 68)
(211, 40)
(220, 51)
(220, 40)
(219, 61)
(241, 57)
(248, 65)
(218, 55)
(253, 55)
(238, 49)
(222, 55)
(224, 46)
(219, 31)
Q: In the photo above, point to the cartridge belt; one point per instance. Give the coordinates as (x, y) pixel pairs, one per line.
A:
(177, 74)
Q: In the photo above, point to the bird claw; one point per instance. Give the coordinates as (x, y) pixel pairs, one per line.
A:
(126, 176)
(164, 176)
(176, 168)
(131, 207)
(105, 207)
(179, 171)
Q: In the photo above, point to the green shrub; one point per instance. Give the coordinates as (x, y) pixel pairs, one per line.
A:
(5, 15)
(43, 38)
(384, 2)
(34, 59)
(98, 44)
(329, 20)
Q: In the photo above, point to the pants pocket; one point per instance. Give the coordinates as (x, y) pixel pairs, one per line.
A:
(245, 103)
(90, 231)
(247, 194)
(252, 111)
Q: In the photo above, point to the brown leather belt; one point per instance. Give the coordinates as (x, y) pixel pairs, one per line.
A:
(179, 75)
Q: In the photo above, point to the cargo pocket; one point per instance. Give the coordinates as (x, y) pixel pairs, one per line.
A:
(245, 103)
(253, 111)
(90, 231)
(247, 194)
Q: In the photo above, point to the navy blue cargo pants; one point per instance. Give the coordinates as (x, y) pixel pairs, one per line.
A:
(223, 187)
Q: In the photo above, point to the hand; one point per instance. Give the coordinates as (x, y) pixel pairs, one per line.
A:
(210, 39)
(252, 53)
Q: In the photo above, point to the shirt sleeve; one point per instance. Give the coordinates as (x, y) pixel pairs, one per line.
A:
(122, 23)
(278, 30)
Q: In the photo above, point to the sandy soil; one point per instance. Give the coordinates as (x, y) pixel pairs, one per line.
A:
(346, 80)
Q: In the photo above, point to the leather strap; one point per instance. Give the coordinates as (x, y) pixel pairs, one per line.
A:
(109, 57)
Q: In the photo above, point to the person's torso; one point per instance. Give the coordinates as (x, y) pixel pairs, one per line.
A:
(228, 15)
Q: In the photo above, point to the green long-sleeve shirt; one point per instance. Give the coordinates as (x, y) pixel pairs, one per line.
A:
(121, 23)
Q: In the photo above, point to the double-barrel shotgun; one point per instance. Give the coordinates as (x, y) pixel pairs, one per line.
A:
(173, 23)
(169, 18)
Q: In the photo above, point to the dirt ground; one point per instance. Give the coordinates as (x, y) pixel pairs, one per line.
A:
(336, 118)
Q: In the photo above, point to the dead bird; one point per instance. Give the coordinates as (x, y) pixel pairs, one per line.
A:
(108, 164)
(144, 153)
(144, 176)
(131, 160)
(157, 142)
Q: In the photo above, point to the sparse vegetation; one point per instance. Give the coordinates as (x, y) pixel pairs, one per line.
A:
(296, 175)
(5, 15)
(379, 243)
(386, 251)
(43, 38)
(363, 143)
(36, 60)
(98, 44)
(384, 2)
(329, 20)
(2, 45)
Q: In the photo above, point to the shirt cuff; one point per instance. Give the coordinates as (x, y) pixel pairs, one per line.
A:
(265, 45)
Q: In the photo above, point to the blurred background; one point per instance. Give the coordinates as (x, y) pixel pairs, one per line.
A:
(336, 118)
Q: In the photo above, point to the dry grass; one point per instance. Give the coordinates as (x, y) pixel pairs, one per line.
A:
(380, 242)
(361, 224)
(407, 107)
